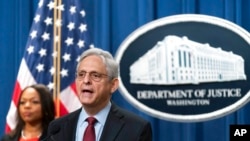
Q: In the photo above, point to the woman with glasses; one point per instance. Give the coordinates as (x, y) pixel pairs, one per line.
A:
(99, 119)
(35, 110)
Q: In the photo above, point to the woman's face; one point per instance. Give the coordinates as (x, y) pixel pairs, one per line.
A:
(30, 106)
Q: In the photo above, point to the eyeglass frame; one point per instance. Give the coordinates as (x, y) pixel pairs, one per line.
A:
(92, 76)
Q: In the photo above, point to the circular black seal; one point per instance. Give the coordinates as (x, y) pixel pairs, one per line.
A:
(186, 67)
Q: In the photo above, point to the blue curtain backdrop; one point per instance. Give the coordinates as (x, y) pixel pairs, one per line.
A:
(110, 22)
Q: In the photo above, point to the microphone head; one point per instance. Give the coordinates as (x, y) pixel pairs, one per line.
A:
(55, 129)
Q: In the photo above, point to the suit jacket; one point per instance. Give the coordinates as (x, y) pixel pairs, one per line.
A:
(121, 125)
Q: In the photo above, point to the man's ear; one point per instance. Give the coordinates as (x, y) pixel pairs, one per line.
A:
(115, 85)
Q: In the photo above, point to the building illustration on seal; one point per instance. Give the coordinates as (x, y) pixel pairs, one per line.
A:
(178, 60)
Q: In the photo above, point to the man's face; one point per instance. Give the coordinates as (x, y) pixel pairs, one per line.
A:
(93, 85)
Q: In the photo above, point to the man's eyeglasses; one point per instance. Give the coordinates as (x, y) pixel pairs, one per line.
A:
(95, 76)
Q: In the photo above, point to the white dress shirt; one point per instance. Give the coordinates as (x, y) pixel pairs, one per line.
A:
(82, 124)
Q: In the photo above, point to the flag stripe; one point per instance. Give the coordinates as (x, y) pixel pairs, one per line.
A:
(25, 78)
(68, 97)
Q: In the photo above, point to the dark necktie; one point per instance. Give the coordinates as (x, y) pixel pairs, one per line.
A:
(89, 134)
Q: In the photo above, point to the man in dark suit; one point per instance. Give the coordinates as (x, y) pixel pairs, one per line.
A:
(96, 81)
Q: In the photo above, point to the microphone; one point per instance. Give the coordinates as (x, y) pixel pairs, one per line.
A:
(52, 132)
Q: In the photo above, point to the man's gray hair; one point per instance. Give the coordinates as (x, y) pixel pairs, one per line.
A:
(112, 66)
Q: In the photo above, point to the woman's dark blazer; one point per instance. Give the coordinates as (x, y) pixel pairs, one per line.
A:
(15, 137)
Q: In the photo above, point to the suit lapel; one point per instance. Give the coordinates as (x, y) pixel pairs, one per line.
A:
(70, 126)
(113, 125)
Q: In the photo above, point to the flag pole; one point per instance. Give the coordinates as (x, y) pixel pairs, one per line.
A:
(57, 57)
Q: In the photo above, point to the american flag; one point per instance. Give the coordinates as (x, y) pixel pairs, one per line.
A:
(37, 64)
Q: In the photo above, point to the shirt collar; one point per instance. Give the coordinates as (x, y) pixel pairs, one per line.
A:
(101, 116)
